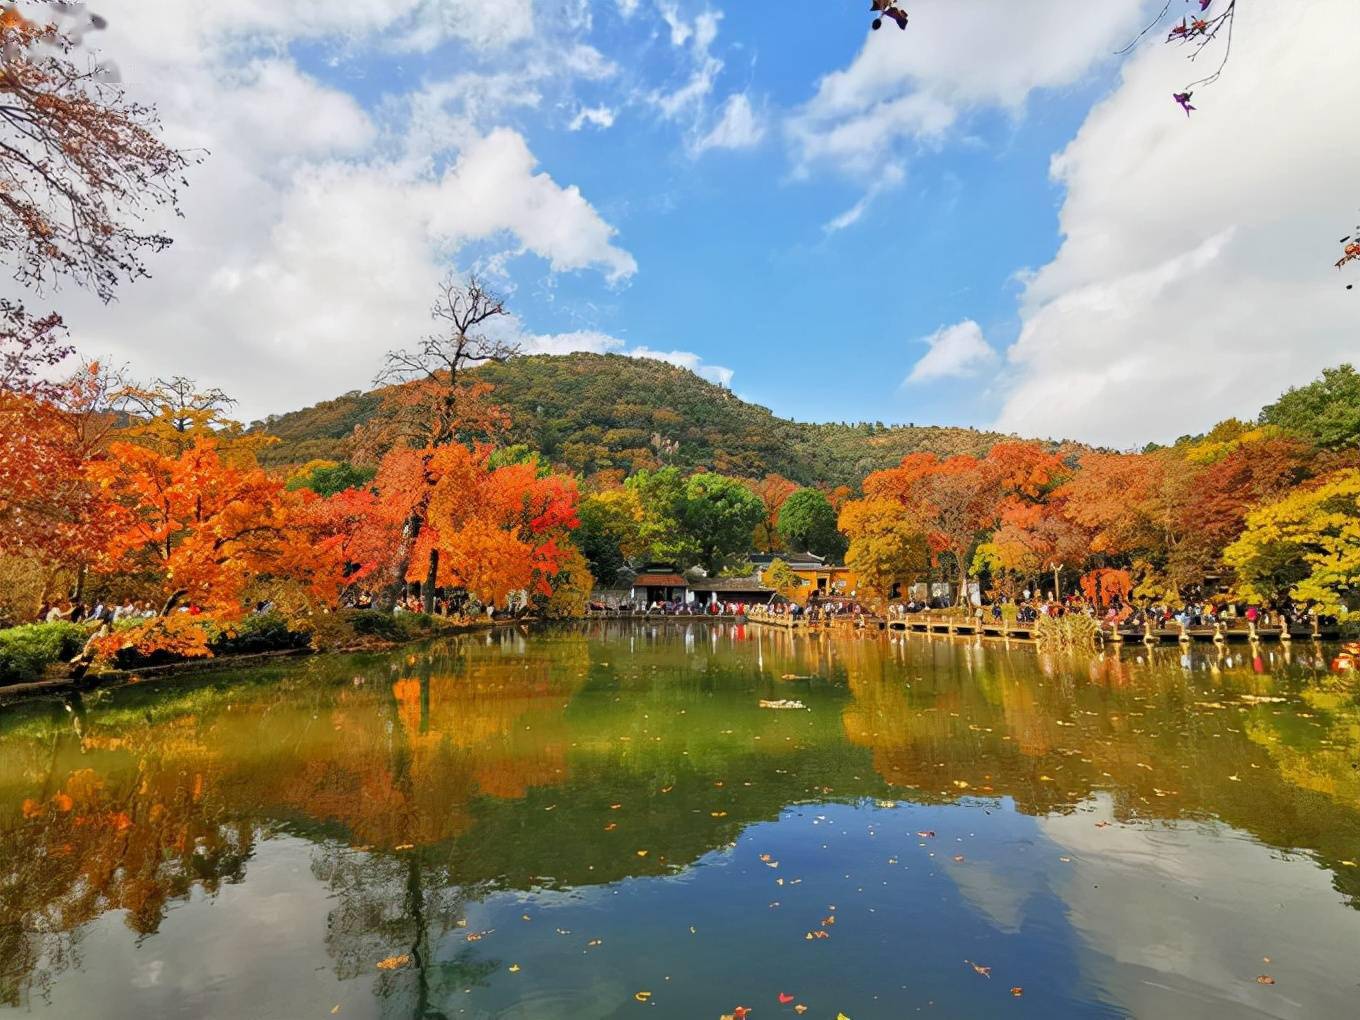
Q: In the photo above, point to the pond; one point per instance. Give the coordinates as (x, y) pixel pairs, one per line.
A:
(602, 820)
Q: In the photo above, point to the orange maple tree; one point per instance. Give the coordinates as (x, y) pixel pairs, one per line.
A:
(493, 531)
(201, 529)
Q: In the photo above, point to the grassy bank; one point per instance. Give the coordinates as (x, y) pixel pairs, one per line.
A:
(43, 651)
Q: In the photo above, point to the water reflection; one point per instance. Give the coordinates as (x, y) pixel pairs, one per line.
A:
(444, 798)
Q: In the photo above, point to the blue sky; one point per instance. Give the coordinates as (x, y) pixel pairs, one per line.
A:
(781, 199)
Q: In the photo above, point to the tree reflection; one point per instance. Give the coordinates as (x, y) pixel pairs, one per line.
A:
(427, 779)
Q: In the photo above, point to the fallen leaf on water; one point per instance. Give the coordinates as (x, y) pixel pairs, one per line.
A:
(615, 807)
(1065, 860)
(741, 1012)
(1045, 779)
(642, 996)
(335, 1009)
(1017, 991)
(667, 789)
(842, 1016)
(958, 858)
(595, 942)
(393, 962)
(642, 853)
(1102, 825)
(926, 834)
(800, 1009)
(962, 784)
(405, 846)
(1235, 779)
(611, 826)
(1350, 864)
(718, 814)
(1265, 979)
(984, 971)
(514, 968)
(828, 921)
(785, 998)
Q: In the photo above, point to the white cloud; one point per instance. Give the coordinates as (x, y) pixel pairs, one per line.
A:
(890, 177)
(312, 241)
(686, 359)
(599, 116)
(1194, 278)
(957, 350)
(738, 127)
(697, 37)
(594, 342)
(957, 55)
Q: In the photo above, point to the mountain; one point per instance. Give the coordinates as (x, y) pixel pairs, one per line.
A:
(592, 412)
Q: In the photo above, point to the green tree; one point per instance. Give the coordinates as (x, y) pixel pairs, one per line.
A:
(807, 522)
(328, 479)
(663, 532)
(1306, 545)
(719, 516)
(609, 533)
(1327, 410)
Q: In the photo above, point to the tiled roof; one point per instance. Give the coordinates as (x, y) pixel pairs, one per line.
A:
(659, 581)
(747, 584)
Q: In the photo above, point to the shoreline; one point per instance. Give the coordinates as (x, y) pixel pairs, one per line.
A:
(110, 679)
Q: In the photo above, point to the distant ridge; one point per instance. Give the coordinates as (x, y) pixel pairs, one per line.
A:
(591, 412)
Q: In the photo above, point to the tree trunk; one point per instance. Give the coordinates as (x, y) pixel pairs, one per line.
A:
(173, 601)
(395, 587)
(427, 589)
(1057, 588)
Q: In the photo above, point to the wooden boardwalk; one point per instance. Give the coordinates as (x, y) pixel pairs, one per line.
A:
(1239, 631)
(1221, 634)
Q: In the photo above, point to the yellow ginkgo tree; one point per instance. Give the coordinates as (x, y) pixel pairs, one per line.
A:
(1305, 545)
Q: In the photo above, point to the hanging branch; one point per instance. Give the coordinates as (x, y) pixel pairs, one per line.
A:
(81, 165)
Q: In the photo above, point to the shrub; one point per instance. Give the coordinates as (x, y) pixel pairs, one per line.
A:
(259, 632)
(25, 652)
(374, 623)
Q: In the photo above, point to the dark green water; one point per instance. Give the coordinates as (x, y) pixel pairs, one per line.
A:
(546, 824)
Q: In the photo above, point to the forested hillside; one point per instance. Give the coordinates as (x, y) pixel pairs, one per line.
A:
(593, 412)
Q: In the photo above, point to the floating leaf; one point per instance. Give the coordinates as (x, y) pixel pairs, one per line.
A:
(1265, 979)
(394, 962)
(514, 968)
(1017, 991)
(979, 968)
(642, 996)
(785, 998)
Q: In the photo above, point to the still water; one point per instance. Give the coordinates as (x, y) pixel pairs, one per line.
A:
(603, 821)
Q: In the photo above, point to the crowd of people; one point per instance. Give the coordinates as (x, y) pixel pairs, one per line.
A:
(75, 611)
(1132, 614)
